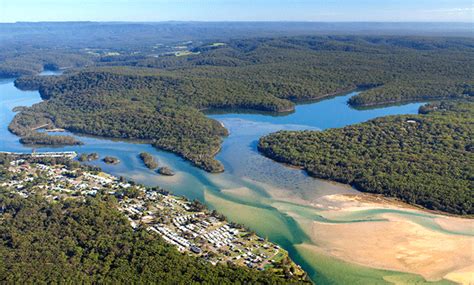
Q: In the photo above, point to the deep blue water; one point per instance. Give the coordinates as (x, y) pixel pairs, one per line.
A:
(330, 113)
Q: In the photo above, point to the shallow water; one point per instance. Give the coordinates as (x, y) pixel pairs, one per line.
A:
(254, 190)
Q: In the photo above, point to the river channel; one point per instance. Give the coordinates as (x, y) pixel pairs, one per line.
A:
(276, 201)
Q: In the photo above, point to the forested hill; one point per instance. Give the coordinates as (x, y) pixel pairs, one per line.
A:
(301, 68)
(27, 47)
(425, 159)
(161, 98)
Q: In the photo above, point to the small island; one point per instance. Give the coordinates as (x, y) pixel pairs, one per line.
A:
(166, 171)
(88, 157)
(111, 160)
(148, 160)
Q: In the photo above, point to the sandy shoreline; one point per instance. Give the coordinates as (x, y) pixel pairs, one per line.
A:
(388, 234)
(394, 244)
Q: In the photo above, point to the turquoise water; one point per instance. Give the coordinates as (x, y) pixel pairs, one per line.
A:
(253, 190)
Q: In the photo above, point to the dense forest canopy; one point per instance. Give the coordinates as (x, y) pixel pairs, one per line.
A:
(28, 48)
(425, 159)
(160, 99)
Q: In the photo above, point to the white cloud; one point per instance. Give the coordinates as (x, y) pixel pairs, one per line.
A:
(454, 10)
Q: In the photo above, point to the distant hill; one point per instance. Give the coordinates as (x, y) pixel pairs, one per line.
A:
(110, 34)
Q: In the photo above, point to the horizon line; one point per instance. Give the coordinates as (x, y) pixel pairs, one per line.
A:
(246, 21)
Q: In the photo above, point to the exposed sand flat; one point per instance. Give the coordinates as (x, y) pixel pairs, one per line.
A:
(408, 239)
(455, 224)
(462, 276)
(363, 201)
(396, 244)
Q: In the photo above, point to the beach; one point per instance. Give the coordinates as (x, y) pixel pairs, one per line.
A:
(395, 242)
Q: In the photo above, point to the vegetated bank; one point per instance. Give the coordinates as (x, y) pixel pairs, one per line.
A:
(42, 139)
(160, 99)
(28, 125)
(425, 159)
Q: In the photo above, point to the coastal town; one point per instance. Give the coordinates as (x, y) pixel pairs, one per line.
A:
(189, 225)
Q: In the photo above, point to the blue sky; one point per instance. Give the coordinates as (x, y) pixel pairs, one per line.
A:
(237, 10)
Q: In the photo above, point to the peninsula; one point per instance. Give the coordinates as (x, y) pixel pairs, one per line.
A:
(425, 159)
(160, 99)
(127, 231)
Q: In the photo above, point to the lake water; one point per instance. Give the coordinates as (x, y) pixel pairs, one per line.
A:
(253, 190)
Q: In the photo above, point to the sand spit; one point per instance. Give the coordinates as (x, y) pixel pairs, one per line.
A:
(397, 243)
(366, 230)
